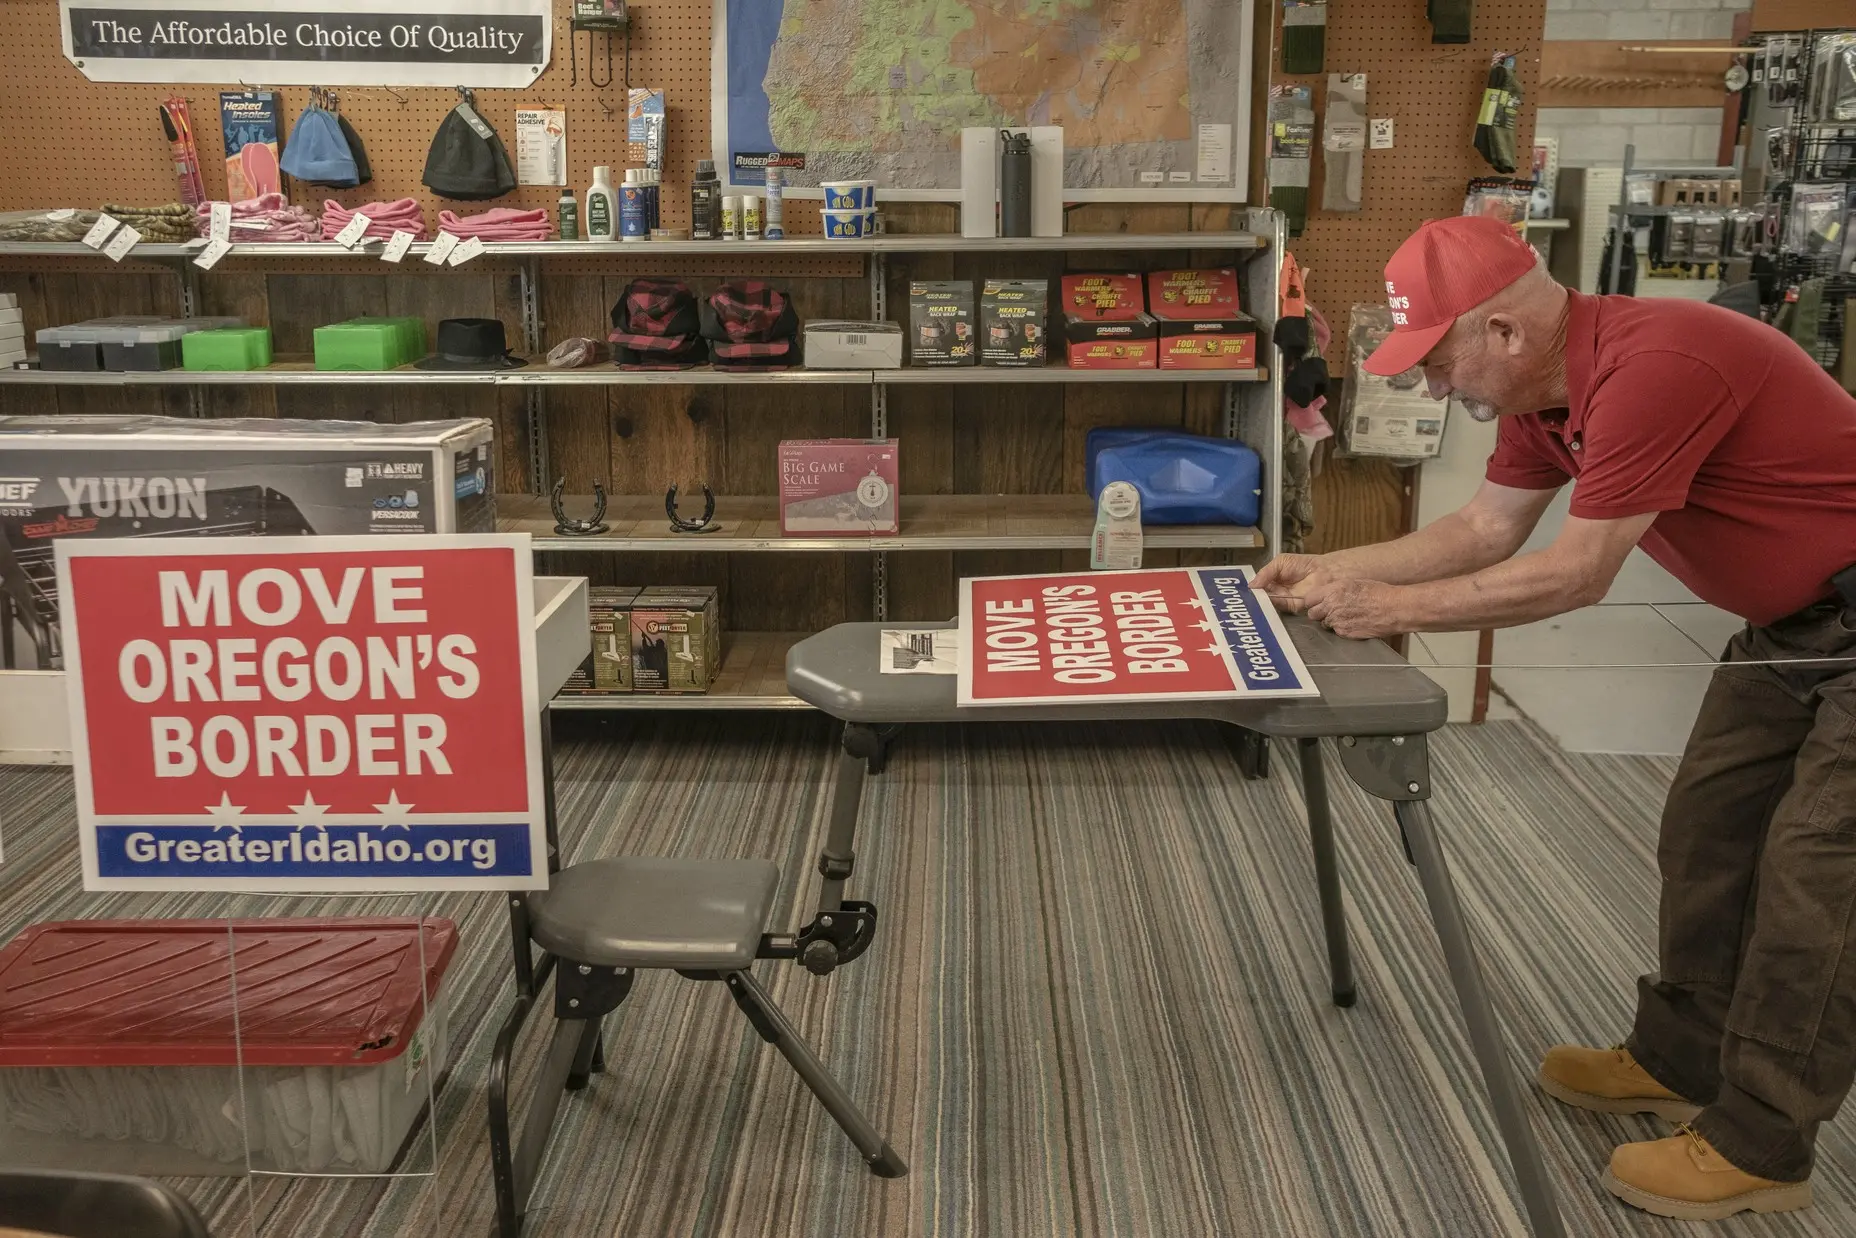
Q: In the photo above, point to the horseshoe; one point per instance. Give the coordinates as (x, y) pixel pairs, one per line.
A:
(590, 527)
(680, 525)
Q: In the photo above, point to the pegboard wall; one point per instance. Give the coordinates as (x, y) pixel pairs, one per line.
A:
(1431, 92)
(74, 142)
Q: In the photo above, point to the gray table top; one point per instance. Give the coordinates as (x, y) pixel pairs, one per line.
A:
(1366, 689)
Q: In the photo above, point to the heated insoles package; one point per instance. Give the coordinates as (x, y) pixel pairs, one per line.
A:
(177, 477)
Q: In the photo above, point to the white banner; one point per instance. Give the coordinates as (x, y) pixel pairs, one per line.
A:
(500, 44)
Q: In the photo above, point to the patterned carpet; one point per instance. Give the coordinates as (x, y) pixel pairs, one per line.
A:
(1097, 1003)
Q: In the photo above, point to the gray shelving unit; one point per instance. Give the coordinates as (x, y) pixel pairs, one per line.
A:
(752, 672)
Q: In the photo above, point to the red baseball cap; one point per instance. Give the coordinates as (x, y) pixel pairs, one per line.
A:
(1444, 269)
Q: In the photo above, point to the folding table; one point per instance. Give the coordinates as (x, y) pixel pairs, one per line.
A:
(1375, 706)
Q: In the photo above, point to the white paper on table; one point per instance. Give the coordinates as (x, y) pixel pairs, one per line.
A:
(442, 245)
(397, 245)
(120, 244)
(919, 651)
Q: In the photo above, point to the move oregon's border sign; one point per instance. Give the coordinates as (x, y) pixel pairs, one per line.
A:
(314, 713)
(489, 43)
(1147, 635)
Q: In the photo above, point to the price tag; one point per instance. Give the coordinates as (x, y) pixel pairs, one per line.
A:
(351, 235)
(397, 245)
(442, 245)
(220, 229)
(216, 249)
(122, 243)
(100, 231)
(1381, 138)
(63, 212)
(466, 250)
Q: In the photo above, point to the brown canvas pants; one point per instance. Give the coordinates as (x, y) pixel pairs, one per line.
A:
(1752, 1012)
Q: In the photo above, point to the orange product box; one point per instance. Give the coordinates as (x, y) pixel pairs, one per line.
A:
(1210, 344)
(1178, 295)
(1099, 298)
(1133, 352)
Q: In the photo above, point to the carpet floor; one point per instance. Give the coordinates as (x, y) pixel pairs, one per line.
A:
(1096, 1006)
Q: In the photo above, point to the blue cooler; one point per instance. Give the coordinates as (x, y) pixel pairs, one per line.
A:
(1183, 478)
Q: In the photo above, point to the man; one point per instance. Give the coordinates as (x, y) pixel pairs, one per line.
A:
(1720, 447)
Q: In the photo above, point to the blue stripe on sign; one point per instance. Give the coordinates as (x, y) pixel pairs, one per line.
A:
(1259, 655)
(267, 851)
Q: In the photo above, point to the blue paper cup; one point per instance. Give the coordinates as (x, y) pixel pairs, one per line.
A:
(844, 225)
(849, 195)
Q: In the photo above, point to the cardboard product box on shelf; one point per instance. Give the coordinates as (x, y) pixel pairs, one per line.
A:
(840, 487)
(1202, 326)
(1012, 321)
(853, 345)
(128, 476)
(941, 323)
(676, 638)
(1105, 324)
(608, 668)
(1208, 293)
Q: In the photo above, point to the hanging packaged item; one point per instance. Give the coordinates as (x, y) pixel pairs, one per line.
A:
(318, 150)
(249, 121)
(1343, 142)
(1182, 478)
(1391, 417)
(1304, 35)
(1496, 118)
(467, 161)
(1292, 134)
(1500, 197)
(177, 122)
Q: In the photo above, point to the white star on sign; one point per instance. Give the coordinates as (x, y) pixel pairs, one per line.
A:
(225, 812)
(393, 808)
(309, 808)
(1212, 649)
(1208, 625)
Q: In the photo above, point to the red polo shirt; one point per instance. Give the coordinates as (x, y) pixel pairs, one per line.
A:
(1719, 422)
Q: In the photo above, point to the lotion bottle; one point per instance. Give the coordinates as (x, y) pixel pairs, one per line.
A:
(602, 206)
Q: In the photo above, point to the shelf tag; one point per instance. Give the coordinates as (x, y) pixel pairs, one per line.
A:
(442, 245)
(221, 227)
(100, 231)
(209, 257)
(397, 245)
(351, 235)
(122, 243)
(466, 250)
(1382, 134)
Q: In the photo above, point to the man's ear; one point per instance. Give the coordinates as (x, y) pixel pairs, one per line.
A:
(1506, 332)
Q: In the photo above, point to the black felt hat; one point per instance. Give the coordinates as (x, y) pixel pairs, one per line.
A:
(471, 344)
(467, 162)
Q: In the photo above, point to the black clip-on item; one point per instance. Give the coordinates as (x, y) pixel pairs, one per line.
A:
(679, 525)
(1845, 582)
(594, 525)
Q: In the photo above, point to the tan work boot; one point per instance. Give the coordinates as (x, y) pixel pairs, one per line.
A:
(1609, 1081)
(1684, 1177)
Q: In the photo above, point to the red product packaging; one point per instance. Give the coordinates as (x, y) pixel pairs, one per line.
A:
(1201, 325)
(839, 487)
(1177, 295)
(1105, 326)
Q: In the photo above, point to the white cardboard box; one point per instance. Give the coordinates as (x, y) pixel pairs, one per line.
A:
(853, 346)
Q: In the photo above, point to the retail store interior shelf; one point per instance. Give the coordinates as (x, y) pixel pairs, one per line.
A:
(929, 522)
(303, 372)
(892, 243)
(753, 676)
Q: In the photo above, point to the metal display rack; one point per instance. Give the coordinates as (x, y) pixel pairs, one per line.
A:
(752, 674)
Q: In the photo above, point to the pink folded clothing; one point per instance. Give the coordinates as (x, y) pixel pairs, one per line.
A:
(266, 218)
(383, 219)
(500, 224)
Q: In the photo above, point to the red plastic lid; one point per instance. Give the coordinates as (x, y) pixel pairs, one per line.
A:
(319, 992)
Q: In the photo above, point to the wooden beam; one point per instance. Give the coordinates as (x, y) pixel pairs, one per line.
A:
(1600, 73)
(1802, 14)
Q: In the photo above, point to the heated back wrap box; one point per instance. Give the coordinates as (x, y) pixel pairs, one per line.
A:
(100, 477)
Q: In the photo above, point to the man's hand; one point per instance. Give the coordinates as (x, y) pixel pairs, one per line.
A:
(1290, 579)
(1356, 608)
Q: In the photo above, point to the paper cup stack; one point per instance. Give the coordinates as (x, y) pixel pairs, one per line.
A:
(850, 209)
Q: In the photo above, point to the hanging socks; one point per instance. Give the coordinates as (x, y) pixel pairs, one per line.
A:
(1304, 35)
(1450, 20)
(1495, 122)
(1292, 133)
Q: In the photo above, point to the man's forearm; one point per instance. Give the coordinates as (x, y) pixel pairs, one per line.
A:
(1447, 547)
(1521, 590)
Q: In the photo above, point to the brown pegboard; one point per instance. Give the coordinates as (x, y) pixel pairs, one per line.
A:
(73, 142)
(1431, 91)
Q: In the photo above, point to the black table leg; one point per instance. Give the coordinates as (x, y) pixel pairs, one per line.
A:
(1397, 769)
(1327, 871)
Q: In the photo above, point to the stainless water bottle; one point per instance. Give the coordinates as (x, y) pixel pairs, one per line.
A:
(1015, 184)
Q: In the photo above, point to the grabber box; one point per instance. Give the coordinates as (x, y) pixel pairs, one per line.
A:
(178, 477)
(1202, 326)
(1012, 331)
(941, 323)
(1104, 324)
(839, 487)
(676, 633)
(135, 1047)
